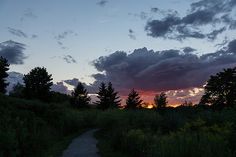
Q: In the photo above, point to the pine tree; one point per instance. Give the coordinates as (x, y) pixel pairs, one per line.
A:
(103, 102)
(80, 97)
(4, 67)
(37, 84)
(113, 98)
(160, 100)
(133, 101)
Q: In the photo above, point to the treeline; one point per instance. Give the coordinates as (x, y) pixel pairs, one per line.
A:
(220, 91)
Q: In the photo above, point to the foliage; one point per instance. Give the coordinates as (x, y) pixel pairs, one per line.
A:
(113, 98)
(37, 84)
(133, 101)
(103, 102)
(17, 91)
(32, 128)
(220, 89)
(191, 131)
(4, 67)
(57, 97)
(108, 97)
(80, 97)
(160, 100)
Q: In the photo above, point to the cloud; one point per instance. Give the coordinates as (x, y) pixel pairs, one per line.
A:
(180, 96)
(64, 86)
(14, 78)
(17, 32)
(188, 49)
(28, 14)
(232, 47)
(131, 34)
(65, 34)
(13, 51)
(142, 15)
(91, 88)
(69, 59)
(20, 33)
(223, 43)
(61, 87)
(62, 36)
(211, 13)
(102, 3)
(33, 36)
(73, 82)
(162, 70)
(154, 10)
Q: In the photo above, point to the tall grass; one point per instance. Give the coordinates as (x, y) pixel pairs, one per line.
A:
(32, 128)
(172, 133)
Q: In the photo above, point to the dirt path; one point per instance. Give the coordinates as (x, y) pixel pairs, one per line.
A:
(83, 146)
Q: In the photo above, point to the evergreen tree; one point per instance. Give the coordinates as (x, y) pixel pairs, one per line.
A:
(220, 89)
(133, 101)
(113, 98)
(80, 97)
(4, 67)
(160, 100)
(103, 102)
(37, 84)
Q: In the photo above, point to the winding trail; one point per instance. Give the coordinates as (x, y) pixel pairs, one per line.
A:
(83, 146)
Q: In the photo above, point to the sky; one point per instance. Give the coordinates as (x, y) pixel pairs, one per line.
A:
(149, 45)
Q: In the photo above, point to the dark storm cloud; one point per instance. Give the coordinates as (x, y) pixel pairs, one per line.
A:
(162, 70)
(232, 47)
(102, 3)
(69, 59)
(13, 51)
(17, 32)
(202, 13)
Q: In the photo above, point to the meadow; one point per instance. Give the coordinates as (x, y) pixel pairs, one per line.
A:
(31, 128)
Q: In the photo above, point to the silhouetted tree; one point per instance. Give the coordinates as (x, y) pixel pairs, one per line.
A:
(80, 97)
(113, 98)
(187, 103)
(133, 101)
(103, 102)
(160, 100)
(220, 89)
(37, 84)
(17, 91)
(4, 67)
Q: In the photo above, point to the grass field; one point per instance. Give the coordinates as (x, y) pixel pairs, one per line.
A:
(34, 129)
